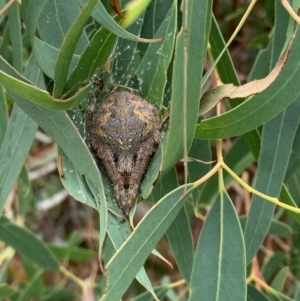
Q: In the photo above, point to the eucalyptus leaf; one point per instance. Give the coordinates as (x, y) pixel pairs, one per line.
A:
(219, 267)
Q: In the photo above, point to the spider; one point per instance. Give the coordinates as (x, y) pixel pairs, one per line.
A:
(124, 134)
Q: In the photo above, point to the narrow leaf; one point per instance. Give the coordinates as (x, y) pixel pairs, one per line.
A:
(34, 94)
(31, 11)
(102, 17)
(61, 16)
(186, 83)
(27, 244)
(219, 269)
(255, 295)
(125, 264)
(277, 139)
(179, 233)
(6, 291)
(3, 115)
(93, 57)
(152, 71)
(67, 49)
(46, 56)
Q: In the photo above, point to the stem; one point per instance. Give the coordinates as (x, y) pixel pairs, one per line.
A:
(208, 175)
(7, 6)
(290, 10)
(71, 276)
(273, 200)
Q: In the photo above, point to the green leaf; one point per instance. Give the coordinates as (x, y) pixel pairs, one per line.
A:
(3, 115)
(255, 295)
(187, 72)
(16, 144)
(154, 16)
(6, 291)
(127, 56)
(102, 17)
(277, 228)
(60, 16)
(46, 56)
(31, 11)
(31, 270)
(225, 65)
(27, 244)
(272, 264)
(93, 57)
(297, 294)
(118, 232)
(30, 288)
(75, 254)
(68, 47)
(181, 242)
(280, 279)
(16, 36)
(100, 199)
(152, 71)
(160, 292)
(75, 182)
(179, 233)
(277, 139)
(25, 194)
(295, 157)
(125, 264)
(219, 269)
(20, 86)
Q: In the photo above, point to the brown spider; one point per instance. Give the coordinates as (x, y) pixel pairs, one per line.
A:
(125, 134)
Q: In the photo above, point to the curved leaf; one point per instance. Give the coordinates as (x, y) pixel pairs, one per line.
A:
(36, 95)
(102, 17)
(58, 125)
(260, 108)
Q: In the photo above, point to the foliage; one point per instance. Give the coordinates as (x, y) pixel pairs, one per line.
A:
(66, 48)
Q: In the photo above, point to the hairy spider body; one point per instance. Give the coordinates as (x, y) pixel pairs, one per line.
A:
(125, 134)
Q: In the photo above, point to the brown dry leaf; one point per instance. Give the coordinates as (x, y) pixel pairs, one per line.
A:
(211, 97)
(115, 4)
